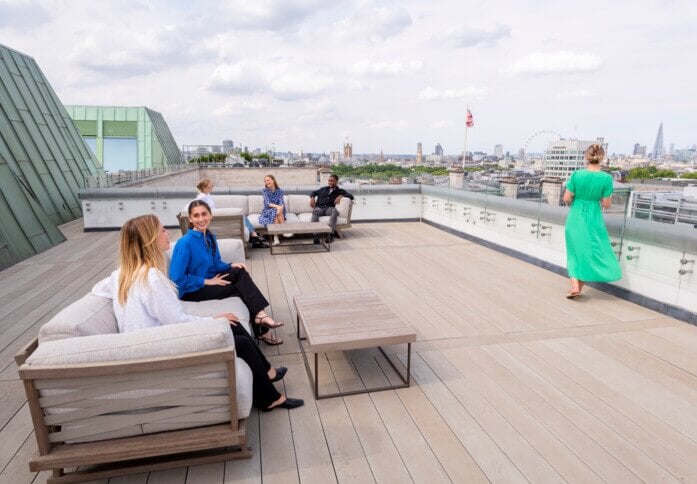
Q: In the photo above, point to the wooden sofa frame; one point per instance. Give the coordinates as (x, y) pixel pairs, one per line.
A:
(127, 455)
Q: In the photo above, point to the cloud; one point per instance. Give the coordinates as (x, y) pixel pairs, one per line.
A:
(270, 14)
(389, 124)
(432, 94)
(283, 79)
(442, 124)
(470, 36)
(577, 93)
(111, 51)
(372, 24)
(384, 68)
(18, 14)
(562, 62)
(238, 108)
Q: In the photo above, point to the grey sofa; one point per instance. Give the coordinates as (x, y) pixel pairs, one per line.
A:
(99, 397)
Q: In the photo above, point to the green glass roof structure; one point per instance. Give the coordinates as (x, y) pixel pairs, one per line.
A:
(43, 160)
(126, 138)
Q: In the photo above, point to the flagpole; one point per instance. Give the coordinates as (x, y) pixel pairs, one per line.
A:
(464, 153)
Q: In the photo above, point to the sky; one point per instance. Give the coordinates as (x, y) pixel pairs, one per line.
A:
(310, 74)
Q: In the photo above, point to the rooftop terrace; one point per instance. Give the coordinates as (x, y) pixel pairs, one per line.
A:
(512, 382)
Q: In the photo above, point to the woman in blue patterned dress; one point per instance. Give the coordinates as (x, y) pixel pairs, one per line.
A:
(274, 211)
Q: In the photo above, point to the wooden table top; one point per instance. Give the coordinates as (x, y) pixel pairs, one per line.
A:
(298, 228)
(349, 320)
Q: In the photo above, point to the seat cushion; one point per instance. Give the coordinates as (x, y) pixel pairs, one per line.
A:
(89, 315)
(344, 207)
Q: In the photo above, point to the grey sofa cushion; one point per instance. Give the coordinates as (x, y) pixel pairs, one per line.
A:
(90, 315)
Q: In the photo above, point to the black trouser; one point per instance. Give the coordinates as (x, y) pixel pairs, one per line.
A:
(263, 391)
(241, 285)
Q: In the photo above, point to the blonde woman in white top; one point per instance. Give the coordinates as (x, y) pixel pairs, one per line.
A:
(144, 297)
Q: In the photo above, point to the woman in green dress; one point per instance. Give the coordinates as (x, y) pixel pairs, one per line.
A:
(590, 257)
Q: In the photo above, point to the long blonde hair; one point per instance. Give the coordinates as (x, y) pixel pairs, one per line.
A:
(139, 252)
(275, 183)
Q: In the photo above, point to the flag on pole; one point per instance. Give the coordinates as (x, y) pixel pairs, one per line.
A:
(470, 119)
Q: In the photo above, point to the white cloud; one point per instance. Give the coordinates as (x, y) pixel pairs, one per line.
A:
(576, 93)
(372, 24)
(18, 14)
(442, 124)
(384, 68)
(281, 79)
(269, 14)
(238, 108)
(564, 62)
(390, 124)
(110, 51)
(432, 94)
(471, 36)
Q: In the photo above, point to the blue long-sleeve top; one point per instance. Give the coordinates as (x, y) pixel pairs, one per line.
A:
(194, 260)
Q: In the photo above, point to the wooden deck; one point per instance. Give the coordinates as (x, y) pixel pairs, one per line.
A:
(513, 382)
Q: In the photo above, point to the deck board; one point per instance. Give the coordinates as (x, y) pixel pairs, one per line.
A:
(512, 382)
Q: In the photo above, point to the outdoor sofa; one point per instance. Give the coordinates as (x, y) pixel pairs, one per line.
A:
(109, 403)
(229, 210)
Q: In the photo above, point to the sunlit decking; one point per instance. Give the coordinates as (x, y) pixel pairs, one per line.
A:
(512, 382)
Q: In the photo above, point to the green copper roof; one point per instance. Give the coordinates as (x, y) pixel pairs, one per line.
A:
(43, 160)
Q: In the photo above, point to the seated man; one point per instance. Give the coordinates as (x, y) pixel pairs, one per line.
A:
(324, 201)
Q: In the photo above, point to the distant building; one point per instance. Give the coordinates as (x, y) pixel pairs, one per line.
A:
(382, 157)
(419, 154)
(228, 145)
(685, 154)
(334, 157)
(658, 144)
(498, 151)
(671, 150)
(439, 150)
(639, 150)
(348, 151)
(565, 156)
(126, 138)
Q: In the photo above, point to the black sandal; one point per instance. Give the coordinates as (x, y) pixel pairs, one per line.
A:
(260, 321)
(270, 339)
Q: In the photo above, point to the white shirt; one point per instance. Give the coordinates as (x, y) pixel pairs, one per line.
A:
(206, 197)
(148, 305)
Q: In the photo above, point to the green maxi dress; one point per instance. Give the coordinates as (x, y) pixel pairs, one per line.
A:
(589, 255)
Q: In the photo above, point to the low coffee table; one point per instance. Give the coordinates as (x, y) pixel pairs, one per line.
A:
(348, 321)
(320, 228)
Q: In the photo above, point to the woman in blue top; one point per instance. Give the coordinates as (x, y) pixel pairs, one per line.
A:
(274, 211)
(200, 274)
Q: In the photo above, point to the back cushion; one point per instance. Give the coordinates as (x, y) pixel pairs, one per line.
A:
(299, 204)
(89, 315)
(255, 203)
(231, 201)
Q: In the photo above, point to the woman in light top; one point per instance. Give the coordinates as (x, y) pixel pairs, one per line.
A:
(144, 297)
(590, 257)
(274, 211)
(205, 187)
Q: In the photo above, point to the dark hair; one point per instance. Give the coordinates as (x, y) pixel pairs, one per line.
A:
(334, 176)
(199, 203)
(595, 153)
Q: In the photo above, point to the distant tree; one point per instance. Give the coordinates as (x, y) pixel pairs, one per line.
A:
(690, 176)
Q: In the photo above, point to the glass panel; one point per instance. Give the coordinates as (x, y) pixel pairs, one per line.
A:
(91, 143)
(120, 154)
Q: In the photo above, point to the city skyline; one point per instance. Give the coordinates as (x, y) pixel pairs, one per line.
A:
(302, 75)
